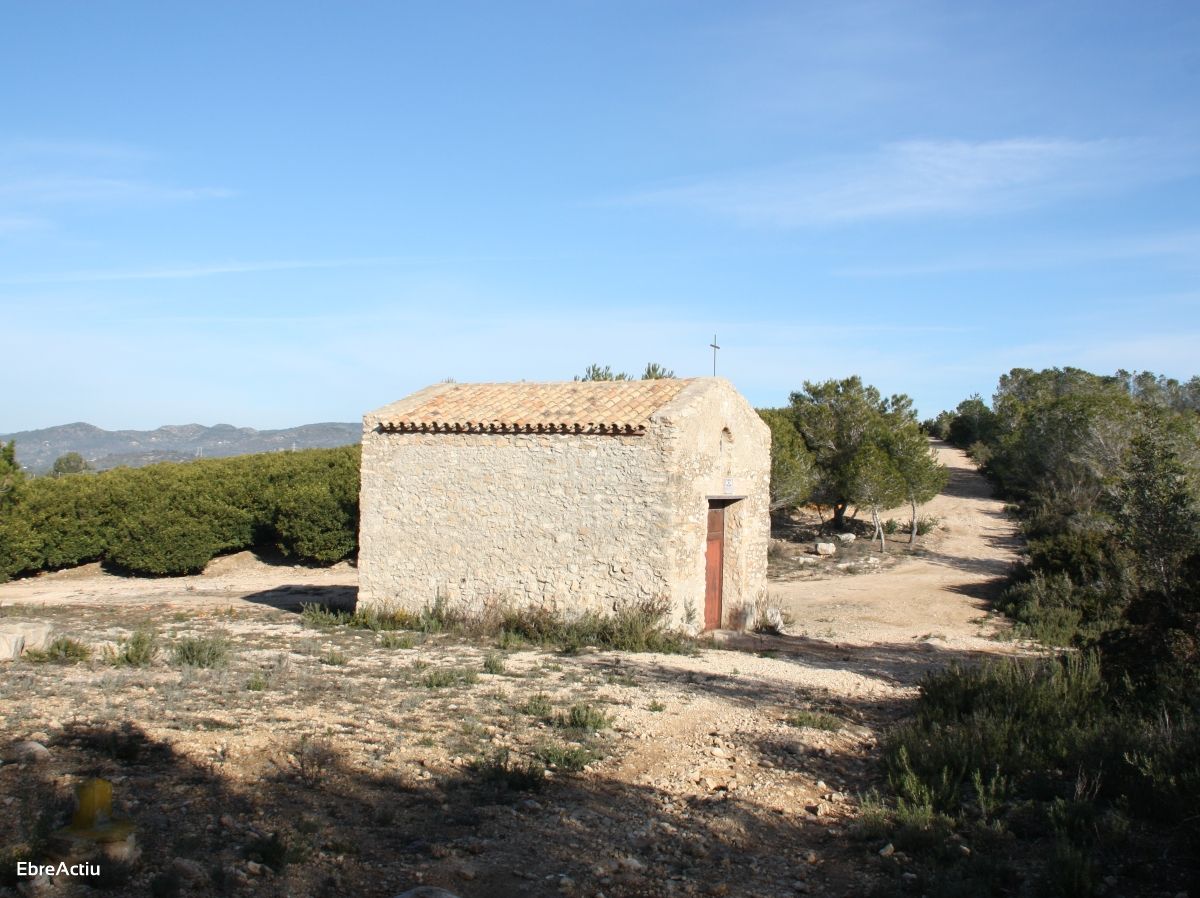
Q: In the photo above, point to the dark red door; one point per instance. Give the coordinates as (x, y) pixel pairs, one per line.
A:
(714, 568)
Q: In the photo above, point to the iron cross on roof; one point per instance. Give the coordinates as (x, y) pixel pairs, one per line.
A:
(715, 347)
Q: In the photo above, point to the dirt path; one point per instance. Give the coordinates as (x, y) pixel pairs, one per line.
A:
(939, 598)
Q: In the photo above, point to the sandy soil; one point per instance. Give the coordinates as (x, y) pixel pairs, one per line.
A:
(940, 595)
(703, 780)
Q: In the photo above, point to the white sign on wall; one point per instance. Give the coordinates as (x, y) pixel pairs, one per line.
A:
(728, 486)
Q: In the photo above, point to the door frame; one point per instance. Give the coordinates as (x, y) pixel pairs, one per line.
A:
(714, 593)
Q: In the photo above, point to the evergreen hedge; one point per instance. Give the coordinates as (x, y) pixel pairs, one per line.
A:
(173, 518)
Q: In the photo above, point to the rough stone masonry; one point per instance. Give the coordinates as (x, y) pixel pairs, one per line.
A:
(576, 496)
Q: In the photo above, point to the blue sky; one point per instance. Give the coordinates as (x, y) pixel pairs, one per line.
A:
(276, 213)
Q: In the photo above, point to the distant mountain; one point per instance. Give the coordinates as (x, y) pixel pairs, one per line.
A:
(37, 449)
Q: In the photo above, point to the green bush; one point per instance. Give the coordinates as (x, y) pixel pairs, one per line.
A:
(171, 519)
(814, 720)
(584, 717)
(538, 705)
(500, 771)
(572, 758)
(442, 677)
(160, 542)
(634, 627)
(315, 524)
(62, 650)
(139, 650)
(201, 651)
(1017, 718)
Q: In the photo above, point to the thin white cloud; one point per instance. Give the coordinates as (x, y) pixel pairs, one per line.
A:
(920, 178)
(43, 180)
(1182, 246)
(62, 190)
(39, 150)
(21, 225)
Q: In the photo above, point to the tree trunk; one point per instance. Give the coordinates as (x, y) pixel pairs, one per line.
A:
(912, 531)
(879, 528)
(839, 515)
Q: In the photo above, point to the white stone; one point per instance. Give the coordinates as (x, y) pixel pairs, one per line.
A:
(27, 751)
(846, 537)
(11, 646)
(17, 637)
(826, 548)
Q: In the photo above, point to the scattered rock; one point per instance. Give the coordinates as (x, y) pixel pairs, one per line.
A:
(773, 620)
(189, 870)
(17, 637)
(826, 548)
(846, 537)
(426, 892)
(11, 646)
(27, 752)
(887, 850)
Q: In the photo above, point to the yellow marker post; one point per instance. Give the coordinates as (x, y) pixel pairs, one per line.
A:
(93, 820)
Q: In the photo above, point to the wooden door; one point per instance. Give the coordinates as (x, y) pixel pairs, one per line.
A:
(714, 568)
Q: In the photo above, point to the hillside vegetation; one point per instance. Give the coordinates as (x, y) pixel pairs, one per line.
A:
(1083, 768)
(171, 519)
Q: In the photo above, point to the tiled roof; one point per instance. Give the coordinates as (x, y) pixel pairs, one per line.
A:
(587, 407)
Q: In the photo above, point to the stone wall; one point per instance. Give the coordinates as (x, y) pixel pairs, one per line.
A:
(573, 521)
(713, 436)
(576, 522)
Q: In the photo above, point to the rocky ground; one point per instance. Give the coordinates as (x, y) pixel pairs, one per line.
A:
(323, 760)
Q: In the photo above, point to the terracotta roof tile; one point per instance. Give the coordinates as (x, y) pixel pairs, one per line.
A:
(590, 407)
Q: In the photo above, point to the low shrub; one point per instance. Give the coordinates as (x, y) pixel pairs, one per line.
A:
(927, 525)
(333, 658)
(499, 770)
(585, 717)
(139, 650)
(312, 758)
(635, 627)
(276, 851)
(61, 650)
(323, 616)
(443, 677)
(814, 720)
(538, 705)
(393, 640)
(201, 651)
(572, 758)
(1043, 750)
